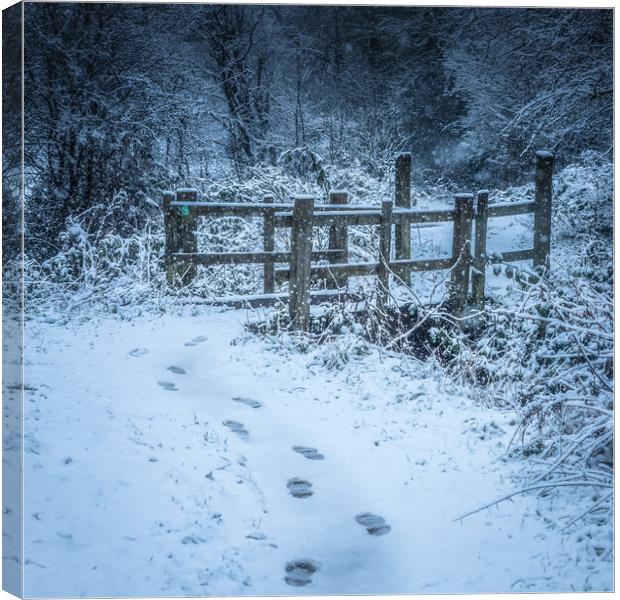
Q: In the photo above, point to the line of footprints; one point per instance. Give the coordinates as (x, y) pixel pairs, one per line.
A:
(298, 573)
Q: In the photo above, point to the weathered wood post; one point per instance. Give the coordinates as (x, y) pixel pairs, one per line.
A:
(480, 247)
(542, 213)
(402, 199)
(187, 242)
(461, 240)
(170, 232)
(269, 276)
(385, 245)
(338, 240)
(301, 259)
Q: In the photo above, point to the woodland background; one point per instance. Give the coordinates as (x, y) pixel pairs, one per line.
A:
(141, 98)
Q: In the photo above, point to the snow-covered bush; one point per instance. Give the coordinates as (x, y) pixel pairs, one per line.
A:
(304, 164)
(547, 350)
(583, 199)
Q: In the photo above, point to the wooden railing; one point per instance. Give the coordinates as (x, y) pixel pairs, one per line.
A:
(181, 211)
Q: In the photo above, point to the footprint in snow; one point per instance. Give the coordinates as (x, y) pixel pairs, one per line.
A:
(308, 452)
(249, 401)
(375, 525)
(197, 340)
(236, 427)
(138, 352)
(299, 572)
(299, 488)
(176, 370)
(168, 386)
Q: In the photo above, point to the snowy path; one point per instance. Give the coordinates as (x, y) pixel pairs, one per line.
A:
(136, 486)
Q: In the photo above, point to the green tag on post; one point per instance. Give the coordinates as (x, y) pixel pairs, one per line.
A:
(185, 210)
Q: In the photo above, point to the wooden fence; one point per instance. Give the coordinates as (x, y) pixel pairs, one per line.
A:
(467, 263)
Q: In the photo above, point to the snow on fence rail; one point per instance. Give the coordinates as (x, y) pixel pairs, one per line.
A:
(182, 209)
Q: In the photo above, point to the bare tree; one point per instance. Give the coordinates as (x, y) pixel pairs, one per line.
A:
(240, 67)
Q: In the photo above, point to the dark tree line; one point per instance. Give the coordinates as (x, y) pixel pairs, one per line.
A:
(142, 98)
(11, 136)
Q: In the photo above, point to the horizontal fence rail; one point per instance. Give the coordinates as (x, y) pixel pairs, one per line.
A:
(246, 258)
(511, 209)
(467, 265)
(249, 209)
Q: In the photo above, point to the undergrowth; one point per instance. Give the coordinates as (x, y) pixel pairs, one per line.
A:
(544, 351)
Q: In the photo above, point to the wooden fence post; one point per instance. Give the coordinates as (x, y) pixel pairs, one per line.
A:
(480, 247)
(402, 199)
(461, 240)
(542, 214)
(186, 222)
(269, 277)
(339, 240)
(170, 232)
(301, 259)
(385, 246)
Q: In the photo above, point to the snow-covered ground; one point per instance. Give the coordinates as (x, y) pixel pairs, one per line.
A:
(159, 460)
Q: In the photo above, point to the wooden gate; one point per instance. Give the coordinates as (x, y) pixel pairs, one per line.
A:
(470, 215)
